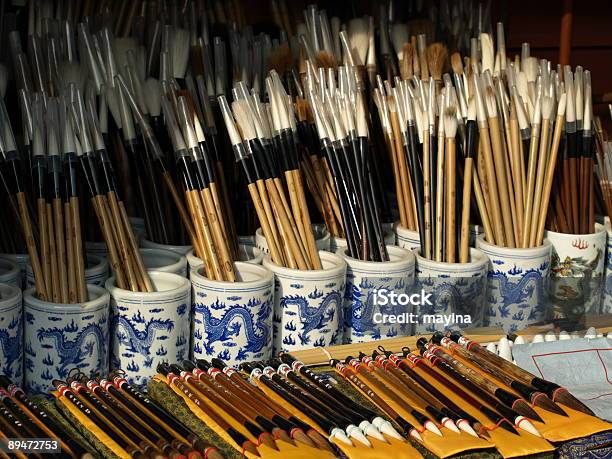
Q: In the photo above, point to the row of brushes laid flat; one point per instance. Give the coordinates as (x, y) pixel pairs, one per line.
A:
(221, 391)
(124, 419)
(21, 417)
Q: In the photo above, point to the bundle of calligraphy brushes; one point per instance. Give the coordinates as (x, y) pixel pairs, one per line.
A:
(126, 421)
(21, 418)
(222, 392)
(603, 166)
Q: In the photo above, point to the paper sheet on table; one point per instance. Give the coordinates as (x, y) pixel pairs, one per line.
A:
(583, 366)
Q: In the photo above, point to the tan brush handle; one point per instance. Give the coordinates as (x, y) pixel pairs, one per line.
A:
(531, 179)
(217, 233)
(277, 194)
(203, 229)
(71, 264)
(262, 198)
(451, 200)
(539, 184)
(105, 228)
(41, 207)
(55, 282)
(60, 244)
(35, 262)
(265, 226)
(79, 256)
(464, 246)
(310, 239)
(492, 194)
(122, 243)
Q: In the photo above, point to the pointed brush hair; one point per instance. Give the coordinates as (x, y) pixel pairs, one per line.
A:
(547, 107)
(180, 52)
(450, 122)
(243, 119)
(399, 37)
(457, 63)
(490, 101)
(471, 114)
(407, 61)
(488, 54)
(437, 53)
(358, 36)
(153, 90)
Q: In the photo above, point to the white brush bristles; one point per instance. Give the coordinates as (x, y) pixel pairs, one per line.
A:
(358, 36)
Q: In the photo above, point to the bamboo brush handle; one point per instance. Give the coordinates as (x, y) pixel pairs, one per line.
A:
(217, 233)
(303, 206)
(439, 255)
(464, 249)
(482, 207)
(265, 227)
(427, 193)
(400, 157)
(113, 256)
(79, 256)
(178, 202)
(282, 241)
(330, 219)
(202, 227)
(41, 207)
(398, 184)
(293, 212)
(542, 162)
(60, 243)
(26, 225)
(492, 186)
(55, 282)
(219, 207)
(275, 238)
(511, 195)
(204, 254)
(518, 175)
(531, 178)
(122, 242)
(70, 246)
(451, 200)
(228, 212)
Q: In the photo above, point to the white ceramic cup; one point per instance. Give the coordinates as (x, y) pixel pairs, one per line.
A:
(233, 320)
(96, 272)
(322, 239)
(138, 226)
(606, 301)
(577, 273)
(308, 304)
(148, 328)
(247, 253)
(60, 337)
(516, 285)
(180, 249)
(22, 259)
(10, 272)
(11, 333)
(406, 238)
(458, 293)
(367, 279)
(338, 244)
(164, 261)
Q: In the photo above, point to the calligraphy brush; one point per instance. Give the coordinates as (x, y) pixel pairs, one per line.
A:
(438, 188)
(555, 392)
(587, 151)
(356, 418)
(408, 429)
(535, 397)
(258, 426)
(572, 149)
(464, 421)
(46, 422)
(320, 418)
(13, 428)
(363, 373)
(122, 390)
(234, 434)
(63, 390)
(340, 419)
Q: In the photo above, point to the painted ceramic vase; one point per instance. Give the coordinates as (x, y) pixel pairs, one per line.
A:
(233, 320)
(338, 244)
(61, 337)
(407, 239)
(365, 280)
(516, 286)
(22, 259)
(606, 301)
(164, 261)
(322, 238)
(308, 304)
(138, 226)
(96, 272)
(458, 293)
(10, 272)
(577, 273)
(11, 333)
(180, 249)
(247, 253)
(148, 328)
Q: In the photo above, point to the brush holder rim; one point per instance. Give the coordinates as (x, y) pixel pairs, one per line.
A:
(8, 293)
(405, 260)
(339, 265)
(149, 244)
(182, 284)
(179, 264)
(513, 252)
(12, 268)
(100, 296)
(477, 259)
(265, 278)
(602, 229)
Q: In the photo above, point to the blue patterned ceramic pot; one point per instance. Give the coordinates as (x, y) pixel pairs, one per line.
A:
(233, 320)
(138, 226)
(60, 337)
(247, 253)
(606, 301)
(516, 290)
(458, 293)
(367, 279)
(407, 239)
(577, 273)
(11, 333)
(180, 249)
(96, 272)
(10, 272)
(308, 304)
(148, 328)
(22, 259)
(164, 261)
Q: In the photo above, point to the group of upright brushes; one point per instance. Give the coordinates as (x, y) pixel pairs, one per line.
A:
(22, 418)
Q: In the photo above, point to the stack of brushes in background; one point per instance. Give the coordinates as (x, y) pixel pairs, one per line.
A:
(603, 167)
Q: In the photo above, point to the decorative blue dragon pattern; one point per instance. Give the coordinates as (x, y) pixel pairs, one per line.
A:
(139, 342)
(11, 339)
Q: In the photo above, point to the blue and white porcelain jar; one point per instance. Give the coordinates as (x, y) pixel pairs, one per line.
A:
(366, 280)
(308, 304)
(320, 233)
(148, 328)
(246, 252)
(606, 301)
(60, 337)
(180, 249)
(406, 238)
(233, 320)
(165, 261)
(10, 272)
(11, 333)
(96, 271)
(22, 260)
(517, 284)
(458, 293)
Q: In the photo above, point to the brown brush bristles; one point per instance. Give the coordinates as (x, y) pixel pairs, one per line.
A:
(437, 55)
(406, 64)
(280, 59)
(302, 107)
(325, 60)
(457, 63)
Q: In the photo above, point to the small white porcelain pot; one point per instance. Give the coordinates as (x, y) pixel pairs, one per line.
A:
(22, 259)
(164, 261)
(606, 301)
(338, 244)
(148, 328)
(322, 239)
(138, 226)
(367, 283)
(60, 337)
(407, 239)
(96, 248)
(516, 284)
(233, 320)
(11, 333)
(247, 240)
(577, 273)
(10, 272)
(96, 272)
(247, 253)
(180, 249)
(308, 304)
(458, 293)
